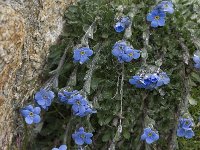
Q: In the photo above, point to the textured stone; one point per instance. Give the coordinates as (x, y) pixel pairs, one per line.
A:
(27, 29)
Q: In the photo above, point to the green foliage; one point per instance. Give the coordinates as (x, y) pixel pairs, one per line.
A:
(164, 43)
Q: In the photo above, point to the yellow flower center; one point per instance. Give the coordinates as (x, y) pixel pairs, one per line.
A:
(166, 5)
(82, 52)
(82, 136)
(131, 54)
(150, 134)
(31, 114)
(45, 97)
(78, 102)
(157, 17)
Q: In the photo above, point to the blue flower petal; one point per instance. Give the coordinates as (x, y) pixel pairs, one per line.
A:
(150, 17)
(29, 120)
(161, 22)
(180, 132)
(25, 112)
(197, 66)
(36, 119)
(154, 23)
(37, 110)
(88, 141)
(143, 136)
(189, 134)
(63, 147)
(149, 140)
(196, 59)
(79, 141)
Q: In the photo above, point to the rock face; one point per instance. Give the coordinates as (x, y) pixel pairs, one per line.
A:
(27, 29)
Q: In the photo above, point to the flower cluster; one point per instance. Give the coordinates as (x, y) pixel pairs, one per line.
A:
(196, 59)
(149, 135)
(82, 54)
(149, 80)
(124, 52)
(185, 128)
(80, 137)
(31, 114)
(158, 14)
(122, 24)
(62, 147)
(44, 98)
(80, 105)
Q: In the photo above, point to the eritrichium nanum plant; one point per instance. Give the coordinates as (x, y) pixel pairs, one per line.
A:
(125, 83)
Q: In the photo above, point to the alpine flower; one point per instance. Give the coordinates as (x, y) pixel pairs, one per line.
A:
(31, 114)
(82, 54)
(166, 6)
(81, 137)
(150, 81)
(157, 18)
(185, 128)
(124, 52)
(196, 59)
(149, 135)
(62, 147)
(80, 106)
(122, 24)
(44, 98)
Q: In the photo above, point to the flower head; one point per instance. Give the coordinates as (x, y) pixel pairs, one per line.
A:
(44, 98)
(119, 27)
(80, 106)
(31, 114)
(62, 147)
(149, 135)
(80, 137)
(185, 128)
(157, 18)
(166, 6)
(150, 80)
(124, 52)
(122, 24)
(196, 59)
(82, 54)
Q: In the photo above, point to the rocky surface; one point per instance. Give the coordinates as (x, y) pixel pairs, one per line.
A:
(27, 30)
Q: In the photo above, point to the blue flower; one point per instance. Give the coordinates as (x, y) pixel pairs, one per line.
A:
(123, 23)
(119, 48)
(166, 6)
(119, 27)
(31, 114)
(62, 147)
(80, 137)
(130, 54)
(196, 59)
(157, 18)
(185, 128)
(64, 95)
(44, 98)
(149, 136)
(78, 103)
(82, 54)
(188, 134)
(80, 106)
(163, 79)
(124, 52)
